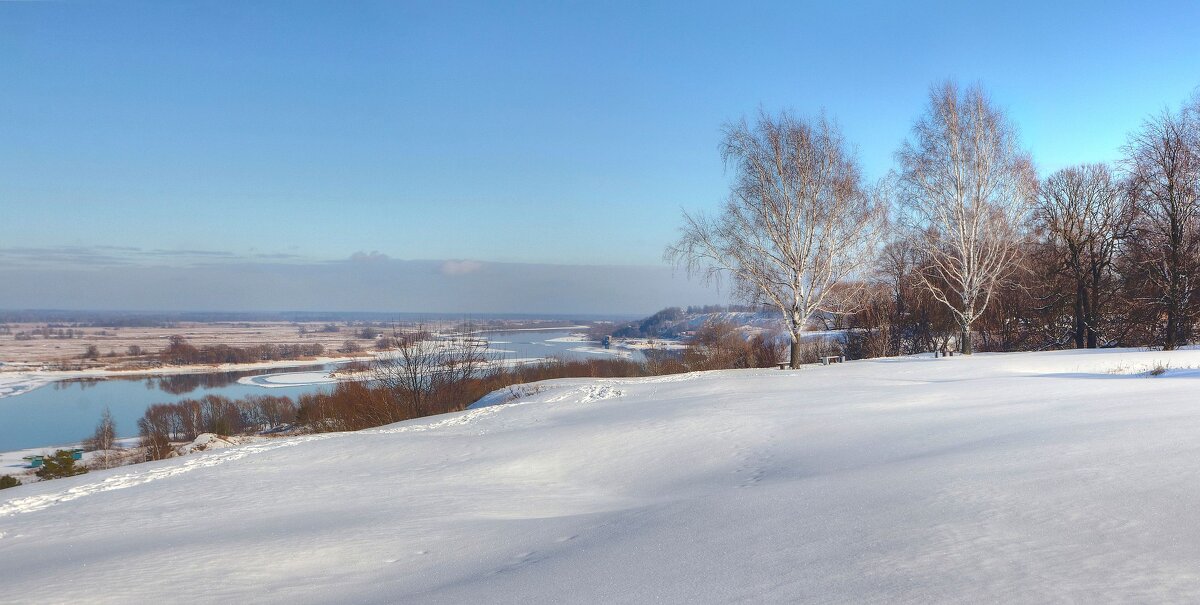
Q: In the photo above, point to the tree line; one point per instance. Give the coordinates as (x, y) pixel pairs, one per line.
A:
(185, 420)
(180, 352)
(962, 245)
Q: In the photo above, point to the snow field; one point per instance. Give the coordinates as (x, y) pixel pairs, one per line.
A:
(1041, 477)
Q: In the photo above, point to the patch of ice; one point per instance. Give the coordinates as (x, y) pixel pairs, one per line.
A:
(571, 338)
(288, 379)
(12, 384)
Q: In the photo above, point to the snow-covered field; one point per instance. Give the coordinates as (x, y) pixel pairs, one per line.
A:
(1024, 478)
(643, 344)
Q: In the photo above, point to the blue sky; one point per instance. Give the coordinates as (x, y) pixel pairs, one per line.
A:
(194, 133)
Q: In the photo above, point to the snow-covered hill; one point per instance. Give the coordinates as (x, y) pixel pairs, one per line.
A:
(1050, 477)
(674, 322)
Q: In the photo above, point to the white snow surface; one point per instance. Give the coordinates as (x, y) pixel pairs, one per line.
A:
(600, 350)
(1021, 478)
(208, 441)
(579, 337)
(288, 379)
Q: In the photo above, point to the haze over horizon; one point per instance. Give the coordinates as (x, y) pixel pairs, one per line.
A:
(469, 157)
(362, 283)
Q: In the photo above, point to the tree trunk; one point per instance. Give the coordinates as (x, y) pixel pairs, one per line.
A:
(1171, 340)
(964, 340)
(1090, 317)
(795, 361)
(1080, 323)
(1093, 306)
(1174, 291)
(895, 325)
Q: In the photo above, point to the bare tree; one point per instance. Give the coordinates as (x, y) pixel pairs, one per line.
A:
(1163, 160)
(1084, 216)
(156, 429)
(424, 365)
(966, 187)
(798, 227)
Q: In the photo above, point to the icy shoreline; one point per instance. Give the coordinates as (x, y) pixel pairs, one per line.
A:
(14, 383)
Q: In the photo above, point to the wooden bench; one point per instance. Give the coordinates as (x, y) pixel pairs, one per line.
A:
(828, 359)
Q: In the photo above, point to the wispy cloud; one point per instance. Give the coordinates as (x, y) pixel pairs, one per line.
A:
(278, 256)
(86, 257)
(189, 253)
(64, 257)
(460, 267)
(373, 256)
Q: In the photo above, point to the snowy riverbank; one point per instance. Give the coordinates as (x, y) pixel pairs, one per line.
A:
(17, 382)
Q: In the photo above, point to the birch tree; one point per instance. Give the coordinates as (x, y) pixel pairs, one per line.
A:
(104, 439)
(798, 227)
(966, 187)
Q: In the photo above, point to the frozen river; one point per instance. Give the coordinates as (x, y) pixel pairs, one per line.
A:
(66, 412)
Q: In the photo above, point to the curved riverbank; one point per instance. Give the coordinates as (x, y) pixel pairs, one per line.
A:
(22, 381)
